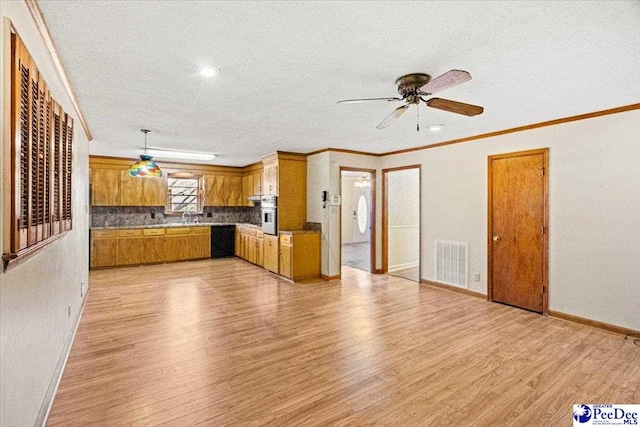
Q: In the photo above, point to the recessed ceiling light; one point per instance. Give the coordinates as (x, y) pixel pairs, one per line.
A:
(169, 154)
(435, 128)
(209, 71)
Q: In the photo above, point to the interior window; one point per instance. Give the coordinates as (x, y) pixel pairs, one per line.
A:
(184, 193)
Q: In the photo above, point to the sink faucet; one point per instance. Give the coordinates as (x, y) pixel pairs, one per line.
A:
(188, 217)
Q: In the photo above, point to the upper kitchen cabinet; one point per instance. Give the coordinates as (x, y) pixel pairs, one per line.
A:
(252, 182)
(285, 176)
(270, 177)
(111, 185)
(223, 190)
(105, 188)
(141, 191)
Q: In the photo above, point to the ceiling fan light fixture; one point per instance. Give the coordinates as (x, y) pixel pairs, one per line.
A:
(435, 128)
(145, 167)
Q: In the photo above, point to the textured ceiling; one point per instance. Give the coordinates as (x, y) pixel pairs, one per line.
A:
(285, 64)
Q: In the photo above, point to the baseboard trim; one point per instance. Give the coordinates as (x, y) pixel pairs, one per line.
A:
(453, 288)
(327, 278)
(43, 414)
(593, 323)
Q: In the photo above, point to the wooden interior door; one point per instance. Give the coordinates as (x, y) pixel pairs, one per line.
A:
(517, 235)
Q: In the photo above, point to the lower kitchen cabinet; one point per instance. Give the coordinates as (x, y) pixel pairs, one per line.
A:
(110, 248)
(271, 253)
(260, 248)
(104, 248)
(285, 258)
(130, 251)
(185, 243)
(200, 246)
(155, 250)
(300, 256)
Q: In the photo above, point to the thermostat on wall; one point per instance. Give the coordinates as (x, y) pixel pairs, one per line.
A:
(335, 200)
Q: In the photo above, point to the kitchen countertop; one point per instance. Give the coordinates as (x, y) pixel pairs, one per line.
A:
(171, 225)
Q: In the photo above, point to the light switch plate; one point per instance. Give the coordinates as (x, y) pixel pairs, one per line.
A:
(335, 200)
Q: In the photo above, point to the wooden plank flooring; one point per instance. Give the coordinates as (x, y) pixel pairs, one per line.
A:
(221, 342)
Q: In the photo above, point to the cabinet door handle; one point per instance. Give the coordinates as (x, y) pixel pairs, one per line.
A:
(496, 238)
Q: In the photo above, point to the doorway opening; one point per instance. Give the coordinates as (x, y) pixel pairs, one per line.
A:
(401, 248)
(357, 218)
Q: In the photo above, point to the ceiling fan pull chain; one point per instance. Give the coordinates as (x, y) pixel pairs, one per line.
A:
(418, 117)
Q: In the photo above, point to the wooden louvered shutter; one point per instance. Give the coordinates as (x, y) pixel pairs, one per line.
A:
(41, 151)
(57, 164)
(67, 147)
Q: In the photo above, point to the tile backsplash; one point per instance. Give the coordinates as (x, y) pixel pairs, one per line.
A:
(105, 216)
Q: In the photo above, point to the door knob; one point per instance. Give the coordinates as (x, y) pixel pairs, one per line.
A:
(496, 238)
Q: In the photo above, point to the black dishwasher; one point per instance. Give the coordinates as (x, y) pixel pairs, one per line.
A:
(222, 240)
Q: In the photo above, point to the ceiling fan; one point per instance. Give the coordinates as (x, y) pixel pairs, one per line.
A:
(414, 87)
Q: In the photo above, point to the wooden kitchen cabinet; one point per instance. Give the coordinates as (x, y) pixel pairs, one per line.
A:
(300, 256)
(142, 191)
(271, 253)
(270, 178)
(130, 251)
(247, 189)
(105, 187)
(110, 248)
(285, 258)
(115, 187)
(252, 249)
(183, 243)
(285, 176)
(260, 248)
(257, 183)
(154, 245)
(223, 190)
(104, 248)
(238, 243)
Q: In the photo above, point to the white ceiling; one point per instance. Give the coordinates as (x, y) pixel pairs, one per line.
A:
(134, 64)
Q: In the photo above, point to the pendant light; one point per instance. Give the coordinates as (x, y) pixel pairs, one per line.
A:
(145, 167)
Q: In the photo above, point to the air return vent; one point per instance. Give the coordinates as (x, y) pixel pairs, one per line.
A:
(451, 263)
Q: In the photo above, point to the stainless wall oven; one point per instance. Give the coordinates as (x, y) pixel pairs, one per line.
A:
(269, 213)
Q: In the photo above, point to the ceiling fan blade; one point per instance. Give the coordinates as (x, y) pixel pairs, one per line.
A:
(356, 101)
(455, 107)
(393, 116)
(449, 79)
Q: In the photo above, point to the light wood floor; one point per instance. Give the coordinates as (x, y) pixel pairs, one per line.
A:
(220, 342)
(411, 273)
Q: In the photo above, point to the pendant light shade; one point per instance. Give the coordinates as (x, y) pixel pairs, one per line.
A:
(145, 167)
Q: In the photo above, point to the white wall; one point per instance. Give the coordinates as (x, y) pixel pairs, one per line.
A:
(594, 210)
(323, 174)
(403, 220)
(35, 295)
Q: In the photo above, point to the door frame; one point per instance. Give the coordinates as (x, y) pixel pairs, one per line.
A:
(372, 232)
(545, 220)
(385, 219)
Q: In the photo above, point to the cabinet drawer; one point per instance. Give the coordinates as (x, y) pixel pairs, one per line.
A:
(249, 231)
(285, 239)
(200, 230)
(130, 233)
(154, 232)
(178, 230)
(104, 233)
(260, 233)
